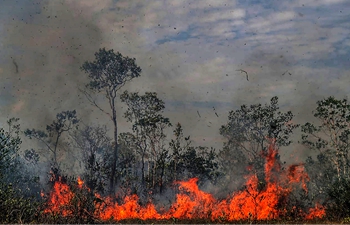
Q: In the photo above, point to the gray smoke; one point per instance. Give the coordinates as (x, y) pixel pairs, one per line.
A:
(43, 48)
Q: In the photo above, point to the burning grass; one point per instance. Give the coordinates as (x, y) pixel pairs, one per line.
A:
(253, 203)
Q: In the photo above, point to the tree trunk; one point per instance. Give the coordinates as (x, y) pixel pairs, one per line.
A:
(143, 170)
(161, 178)
(115, 159)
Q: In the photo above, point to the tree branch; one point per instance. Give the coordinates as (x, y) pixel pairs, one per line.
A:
(93, 102)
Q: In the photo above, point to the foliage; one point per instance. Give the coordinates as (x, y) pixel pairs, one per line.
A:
(14, 205)
(331, 138)
(65, 121)
(187, 161)
(148, 126)
(200, 162)
(9, 149)
(110, 71)
(339, 204)
(250, 128)
(128, 165)
(321, 172)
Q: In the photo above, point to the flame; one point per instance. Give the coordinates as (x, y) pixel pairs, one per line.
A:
(129, 210)
(297, 174)
(42, 194)
(317, 212)
(60, 196)
(80, 182)
(252, 203)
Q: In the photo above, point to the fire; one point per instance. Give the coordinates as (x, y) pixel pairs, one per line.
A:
(252, 203)
(60, 196)
(195, 204)
(317, 212)
(129, 210)
(80, 182)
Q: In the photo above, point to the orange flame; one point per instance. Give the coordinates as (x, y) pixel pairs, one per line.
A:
(252, 203)
(317, 212)
(60, 196)
(80, 182)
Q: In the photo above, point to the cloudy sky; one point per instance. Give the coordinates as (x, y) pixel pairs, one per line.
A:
(189, 52)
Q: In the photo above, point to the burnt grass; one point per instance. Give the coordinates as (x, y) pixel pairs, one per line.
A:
(58, 219)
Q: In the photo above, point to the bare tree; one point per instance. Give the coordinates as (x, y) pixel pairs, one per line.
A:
(65, 121)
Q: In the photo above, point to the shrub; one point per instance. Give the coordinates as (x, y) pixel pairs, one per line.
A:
(14, 208)
(339, 199)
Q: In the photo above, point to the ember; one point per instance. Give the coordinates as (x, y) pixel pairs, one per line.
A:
(252, 203)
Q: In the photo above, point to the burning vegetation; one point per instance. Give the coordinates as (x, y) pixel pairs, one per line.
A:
(253, 203)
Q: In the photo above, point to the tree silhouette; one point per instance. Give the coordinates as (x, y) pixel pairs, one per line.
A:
(108, 73)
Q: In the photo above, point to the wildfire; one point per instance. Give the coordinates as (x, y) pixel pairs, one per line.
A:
(252, 203)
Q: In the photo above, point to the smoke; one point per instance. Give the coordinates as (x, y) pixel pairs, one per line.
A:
(43, 48)
(279, 72)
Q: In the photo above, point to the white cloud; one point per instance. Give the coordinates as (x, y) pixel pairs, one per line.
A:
(270, 22)
(205, 4)
(316, 3)
(282, 16)
(223, 15)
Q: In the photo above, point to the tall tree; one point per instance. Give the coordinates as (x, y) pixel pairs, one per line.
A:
(250, 128)
(108, 73)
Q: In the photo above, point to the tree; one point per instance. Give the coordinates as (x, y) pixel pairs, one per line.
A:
(145, 112)
(187, 161)
(250, 129)
(14, 206)
(331, 137)
(128, 165)
(10, 143)
(108, 73)
(177, 147)
(199, 162)
(93, 142)
(329, 173)
(65, 121)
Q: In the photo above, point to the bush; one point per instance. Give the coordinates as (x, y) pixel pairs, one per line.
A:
(339, 199)
(14, 208)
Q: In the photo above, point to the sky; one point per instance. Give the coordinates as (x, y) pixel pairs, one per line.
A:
(189, 53)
